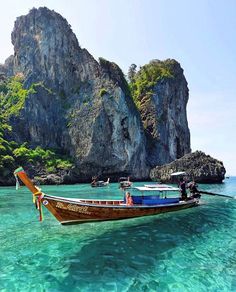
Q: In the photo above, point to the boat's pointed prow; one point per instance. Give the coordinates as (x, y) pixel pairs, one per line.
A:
(37, 194)
(19, 172)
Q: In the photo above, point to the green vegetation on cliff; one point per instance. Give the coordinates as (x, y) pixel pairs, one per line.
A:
(143, 82)
(115, 73)
(13, 96)
(12, 154)
(102, 92)
(47, 158)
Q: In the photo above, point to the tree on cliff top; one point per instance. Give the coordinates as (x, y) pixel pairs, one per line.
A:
(142, 83)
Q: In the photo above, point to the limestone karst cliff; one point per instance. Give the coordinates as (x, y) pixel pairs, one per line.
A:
(161, 93)
(79, 106)
(71, 105)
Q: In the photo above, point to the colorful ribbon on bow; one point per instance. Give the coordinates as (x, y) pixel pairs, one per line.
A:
(17, 182)
(37, 194)
(37, 199)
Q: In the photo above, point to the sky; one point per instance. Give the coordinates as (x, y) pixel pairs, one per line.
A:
(201, 35)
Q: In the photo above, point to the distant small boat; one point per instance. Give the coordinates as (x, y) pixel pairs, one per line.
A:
(227, 177)
(125, 182)
(100, 183)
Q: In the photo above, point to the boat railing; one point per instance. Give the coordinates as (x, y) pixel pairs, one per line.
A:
(102, 202)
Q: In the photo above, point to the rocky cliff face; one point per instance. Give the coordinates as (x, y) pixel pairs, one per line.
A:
(79, 106)
(46, 50)
(198, 166)
(163, 111)
(85, 109)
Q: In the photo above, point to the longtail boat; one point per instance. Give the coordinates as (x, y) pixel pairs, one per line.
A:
(125, 182)
(70, 210)
(100, 183)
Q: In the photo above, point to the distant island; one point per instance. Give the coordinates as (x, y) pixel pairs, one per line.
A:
(66, 117)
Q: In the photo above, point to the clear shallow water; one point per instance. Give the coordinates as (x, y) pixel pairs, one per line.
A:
(190, 250)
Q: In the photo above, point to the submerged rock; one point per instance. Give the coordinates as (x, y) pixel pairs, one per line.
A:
(198, 166)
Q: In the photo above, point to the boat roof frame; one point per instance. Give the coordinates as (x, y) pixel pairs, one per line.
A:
(160, 189)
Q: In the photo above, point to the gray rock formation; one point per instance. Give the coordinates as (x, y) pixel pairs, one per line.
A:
(80, 106)
(2, 71)
(84, 109)
(7, 67)
(164, 115)
(198, 166)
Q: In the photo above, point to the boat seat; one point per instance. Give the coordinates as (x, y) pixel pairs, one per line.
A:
(160, 201)
(139, 199)
(152, 197)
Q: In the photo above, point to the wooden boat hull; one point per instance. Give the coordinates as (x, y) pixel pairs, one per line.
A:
(69, 211)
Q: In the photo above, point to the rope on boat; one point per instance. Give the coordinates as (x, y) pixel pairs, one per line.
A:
(17, 182)
(37, 196)
(39, 203)
(34, 195)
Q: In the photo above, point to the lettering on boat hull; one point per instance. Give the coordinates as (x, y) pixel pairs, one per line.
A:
(74, 208)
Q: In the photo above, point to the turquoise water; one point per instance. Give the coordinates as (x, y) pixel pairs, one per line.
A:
(190, 250)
